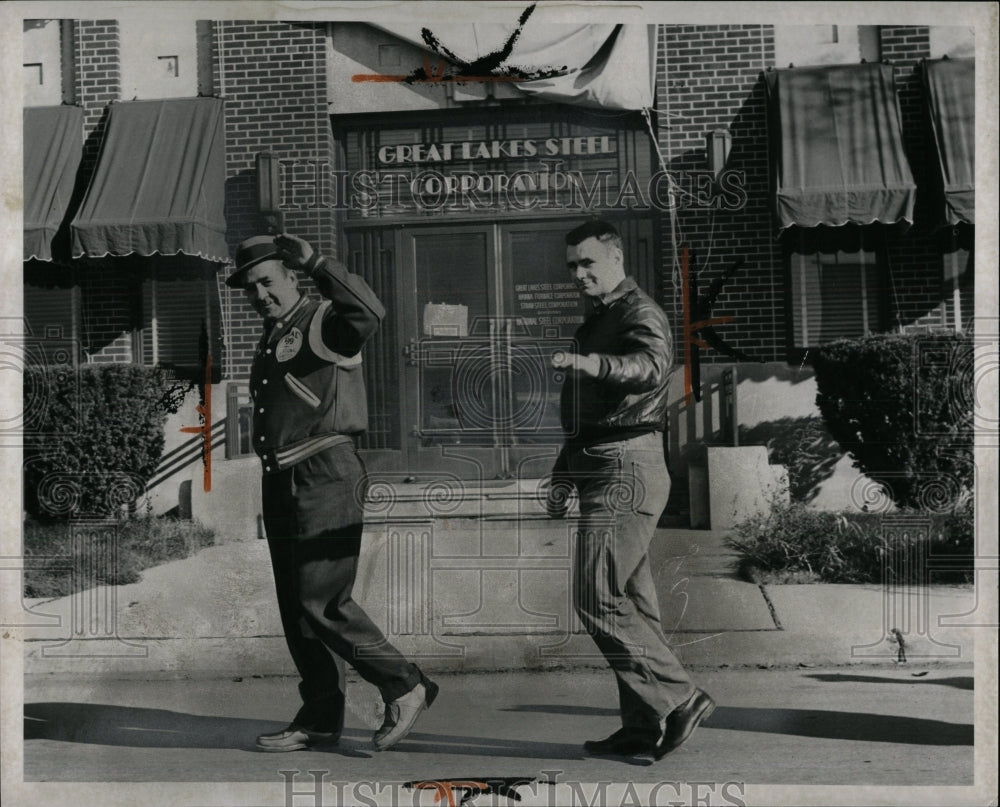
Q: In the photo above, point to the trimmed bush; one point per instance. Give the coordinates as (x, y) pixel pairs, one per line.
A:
(793, 544)
(95, 436)
(901, 406)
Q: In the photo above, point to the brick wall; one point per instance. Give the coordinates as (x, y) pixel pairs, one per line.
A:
(709, 77)
(915, 262)
(108, 304)
(97, 79)
(105, 293)
(273, 77)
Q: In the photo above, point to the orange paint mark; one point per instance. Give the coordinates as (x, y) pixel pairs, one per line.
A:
(692, 328)
(359, 78)
(433, 74)
(686, 308)
(445, 789)
(205, 429)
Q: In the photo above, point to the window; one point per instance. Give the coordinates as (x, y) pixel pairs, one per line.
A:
(52, 313)
(836, 289)
(180, 320)
(239, 421)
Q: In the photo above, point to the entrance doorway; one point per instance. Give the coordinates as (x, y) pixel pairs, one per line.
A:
(479, 310)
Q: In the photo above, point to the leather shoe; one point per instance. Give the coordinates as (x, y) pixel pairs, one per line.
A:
(295, 738)
(625, 742)
(402, 713)
(682, 722)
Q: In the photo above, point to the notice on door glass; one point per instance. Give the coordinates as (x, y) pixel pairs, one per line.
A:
(548, 303)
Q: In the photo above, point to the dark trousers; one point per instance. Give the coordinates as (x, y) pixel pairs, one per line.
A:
(314, 579)
(325, 627)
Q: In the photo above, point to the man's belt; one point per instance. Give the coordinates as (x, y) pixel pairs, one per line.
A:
(274, 460)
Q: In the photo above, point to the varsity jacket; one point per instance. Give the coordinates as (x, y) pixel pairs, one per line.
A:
(307, 382)
(630, 335)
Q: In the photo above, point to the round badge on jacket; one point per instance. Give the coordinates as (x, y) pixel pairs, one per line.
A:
(288, 345)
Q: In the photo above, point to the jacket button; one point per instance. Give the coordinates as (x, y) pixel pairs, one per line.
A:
(264, 381)
(268, 351)
(262, 438)
(267, 467)
(261, 410)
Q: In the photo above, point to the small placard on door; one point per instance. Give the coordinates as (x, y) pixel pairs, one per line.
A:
(444, 319)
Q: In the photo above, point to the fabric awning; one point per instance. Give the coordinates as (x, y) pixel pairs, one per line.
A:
(159, 186)
(836, 147)
(950, 90)
(53, 147)
(602, 66)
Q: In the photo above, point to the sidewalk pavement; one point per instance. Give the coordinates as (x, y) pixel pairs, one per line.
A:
(169, 680)
(889, 725)
(492, 595)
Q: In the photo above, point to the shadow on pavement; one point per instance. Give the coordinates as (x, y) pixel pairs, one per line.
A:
(563, 709)
(139, 727)
(861, 726)
(957, 681)
(465, 745)
(136, 727)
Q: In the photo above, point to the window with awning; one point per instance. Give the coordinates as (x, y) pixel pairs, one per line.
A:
(949, 92)
(837, 285)
(836, 147)
(53, 147)
(181, 320)
(158, 188)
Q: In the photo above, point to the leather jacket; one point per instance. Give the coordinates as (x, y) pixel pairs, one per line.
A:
(631, 336)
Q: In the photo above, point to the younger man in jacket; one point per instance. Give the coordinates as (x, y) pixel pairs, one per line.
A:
(613, 407)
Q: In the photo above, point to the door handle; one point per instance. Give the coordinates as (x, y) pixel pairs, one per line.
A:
(412, 352)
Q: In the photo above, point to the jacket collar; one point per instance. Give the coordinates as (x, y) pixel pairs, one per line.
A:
(625, 287)
(275, 327)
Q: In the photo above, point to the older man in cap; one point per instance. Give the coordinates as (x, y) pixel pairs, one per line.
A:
(309, 400)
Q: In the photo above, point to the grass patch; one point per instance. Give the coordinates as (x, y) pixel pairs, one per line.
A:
(793, 544)
(56, 565)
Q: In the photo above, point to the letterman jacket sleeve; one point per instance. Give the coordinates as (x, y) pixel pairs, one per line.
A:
(356, 312)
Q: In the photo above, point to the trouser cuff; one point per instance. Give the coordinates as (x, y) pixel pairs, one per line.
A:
(396, 689)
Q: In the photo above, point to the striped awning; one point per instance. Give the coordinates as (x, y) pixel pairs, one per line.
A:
(53, 147)
(836, 147)
(950, 92)
(159, 186)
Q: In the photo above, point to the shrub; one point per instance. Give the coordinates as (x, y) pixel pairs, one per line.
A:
(95, 436)
(792, 543)
(901, 406)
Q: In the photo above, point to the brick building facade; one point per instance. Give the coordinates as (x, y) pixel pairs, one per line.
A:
(275, 79)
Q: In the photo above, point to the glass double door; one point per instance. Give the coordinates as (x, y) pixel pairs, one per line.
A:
(484, 307)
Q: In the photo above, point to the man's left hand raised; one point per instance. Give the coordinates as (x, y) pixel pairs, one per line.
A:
(295, 252)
